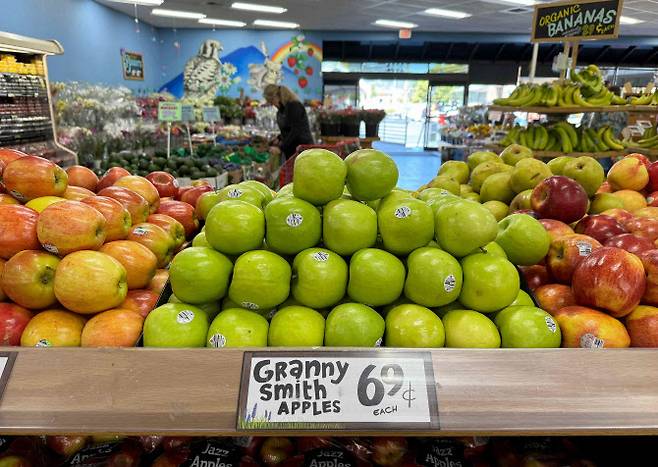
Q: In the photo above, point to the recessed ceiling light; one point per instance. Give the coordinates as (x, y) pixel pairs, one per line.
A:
(447, 13)
(139, 2)
(387, 23)
(629, 20)
(222, 22)
(177, 13)
(276, 24)
(262, 8)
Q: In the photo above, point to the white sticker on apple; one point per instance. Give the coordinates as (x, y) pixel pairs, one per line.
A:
(250, 306)
(590, 341)
(550, 324)
(294, 219)
(234, 193)
(322, 256)
(584, 248)
(43, 343)
(403, 212)
(185, 316)
(449, 283)
(50, 248)
(217, 340)
(139, 231)
(378, 343)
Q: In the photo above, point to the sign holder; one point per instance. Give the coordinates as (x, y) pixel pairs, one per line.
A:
(169, 112)
(187, 115)
(212, 115)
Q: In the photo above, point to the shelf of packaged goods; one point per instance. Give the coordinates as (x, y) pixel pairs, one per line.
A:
(196, 391)
(576, 110)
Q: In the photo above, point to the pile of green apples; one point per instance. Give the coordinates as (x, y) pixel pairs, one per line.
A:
(342, 258)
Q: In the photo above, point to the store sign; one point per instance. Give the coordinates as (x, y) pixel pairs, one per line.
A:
(211, 114)
(170, 111)
(187, 113)
(7, 360)
(576, 20)
(337, 390)
(133, 65)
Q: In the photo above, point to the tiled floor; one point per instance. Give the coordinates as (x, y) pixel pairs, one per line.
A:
(416, 166)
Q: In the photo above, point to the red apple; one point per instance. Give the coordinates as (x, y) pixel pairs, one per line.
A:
(653, 177)
(53, 328)
(18, 230)
(156, 239)
(650, 262)
(652, 199)
(555, 228)
(642, 326)
(589, 328)
(13, 319)
(170, 225)
(77, 193)
(135, 203)
(631, 243)
(621, 215)
(388, 451)
(611, 279)
(275, 450)
(111, 176)
(552, 297)
(139, 261)
(142, 186)
(8, 155)
(182, 190)
(191, 196)
(183, 213)
(599, 226)
(117, 218)
(640, 157)
(142, 301)
(82, 176)
(643, 227)
(8, 199)
(112, 328)
(604, 188)
(164, 182)
(27, 278)
(66, 445)
(535, 276)
(200, 182)
(70, 226)
(566, 252)
(32, 177)
(559, 198)
(159, 281)
(629, 173)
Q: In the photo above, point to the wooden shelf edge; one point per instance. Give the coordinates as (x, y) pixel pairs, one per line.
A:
(577, 110)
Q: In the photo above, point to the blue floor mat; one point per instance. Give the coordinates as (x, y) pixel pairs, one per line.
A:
(416, 166)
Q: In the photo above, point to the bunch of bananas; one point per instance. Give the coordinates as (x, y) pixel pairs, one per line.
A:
(645, 99)
(564, 137)
(480, 131)
(649, 139)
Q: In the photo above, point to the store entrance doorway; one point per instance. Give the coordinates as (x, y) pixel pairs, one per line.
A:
(443, 101)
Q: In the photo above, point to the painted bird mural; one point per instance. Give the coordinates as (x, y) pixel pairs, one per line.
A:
(201, 77)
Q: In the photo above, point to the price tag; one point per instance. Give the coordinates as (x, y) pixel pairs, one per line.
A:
(169, 111)
(211, 114)
(187, 113)
(337, 390)
(7, 360)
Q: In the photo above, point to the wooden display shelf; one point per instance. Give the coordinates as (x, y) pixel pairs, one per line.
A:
(577, 110)
(195, 392)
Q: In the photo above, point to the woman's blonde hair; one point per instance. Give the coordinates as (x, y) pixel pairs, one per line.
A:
(283, 92)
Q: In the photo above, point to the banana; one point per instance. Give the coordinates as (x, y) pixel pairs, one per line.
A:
(648, 142)
(522, 138)
(610, 140)
(567, 96)
(646, 99)
(579, 100)
(571, 131)
(565, 141)
(543, 138)
(552, 96)
(605, 99)
(599, 146)
(550, 145)
(618, 100)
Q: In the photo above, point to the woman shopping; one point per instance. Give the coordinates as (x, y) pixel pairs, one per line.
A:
(291, 118)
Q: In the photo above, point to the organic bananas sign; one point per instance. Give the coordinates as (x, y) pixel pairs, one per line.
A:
(572, 21)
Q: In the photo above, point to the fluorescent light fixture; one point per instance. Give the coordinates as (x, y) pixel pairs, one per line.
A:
(387, 23)
(275, 24)
(139, 2)
(447, 13)
(177, 13)
(222, 22)
(521, 2)
(629, 20)
(262, 8)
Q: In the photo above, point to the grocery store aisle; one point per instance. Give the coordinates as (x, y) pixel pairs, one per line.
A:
(416, 166)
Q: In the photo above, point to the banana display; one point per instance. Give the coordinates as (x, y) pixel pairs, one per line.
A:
(649, 139)
(564, 137)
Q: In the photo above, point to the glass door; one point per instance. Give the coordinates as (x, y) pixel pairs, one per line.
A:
(442, 102)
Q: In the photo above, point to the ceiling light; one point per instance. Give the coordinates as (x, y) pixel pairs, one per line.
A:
(139, 2)
(387, 23)
(522, 2)
(447, 13)
(629, 20)
(222, 22)
(262, 8)
(276, 24)
(177, 13)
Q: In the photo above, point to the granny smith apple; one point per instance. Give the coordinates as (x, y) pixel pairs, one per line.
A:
(319, 176)
(268, 195)
(521, 201)
(445, 182)
(371, 174)
(557, 164)
(480, 157)
(237, 327)
(395, 195)
(492, 248)
(528, 173)
(430, 193)
(296, 326)
(463, 226)
(353, 325)
(513, 153)
(405, 225)
(522, 299)
(413, 326)
(242, 193)
(291, 225)
(319, 278)
(400, 301)
(376, 277)
(441, 311)
(587, 171)
(464, 189)
(456, 169)
(234, 227)
(348, 226)
(211, 308)
(434, 278)
(475, 197)
(200, 240)
(497, 187)
(261, 280)
(468, 329)
(285, 190)
(528, 327)
(206, 202)
(199, 275)
(524, 239)
(484, 171)
(490, 282)
(604, 201)
(176, 325)
(497, 208)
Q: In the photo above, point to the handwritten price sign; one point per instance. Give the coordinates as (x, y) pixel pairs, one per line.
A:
(337, 390)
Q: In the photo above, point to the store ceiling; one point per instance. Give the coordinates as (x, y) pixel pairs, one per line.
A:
(494, 16)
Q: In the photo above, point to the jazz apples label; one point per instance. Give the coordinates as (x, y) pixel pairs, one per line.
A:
(335, 390)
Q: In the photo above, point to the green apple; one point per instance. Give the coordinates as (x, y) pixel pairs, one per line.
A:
(480, 157)
(468, 329)
(497, 208)
(492, 248)
(199, 275)
(497, 188)
(604, 201)
(431, 193)
(522, 299)
(400, 301)
(557, 164)
(296, 326)
(528, 173)
(475, 197)
(461, 227)
(285, 190)
(353, 325)
(464, 189)
(413, 326)
(490, 282)
(234, 227)
(268, 195)
(242, 193)
(261, 280)
(348, 226)
(376, 277)
(521, 201)
(587, 171)
(176, 325)
(524, 239)
(206, 202)
(513, 153)
(319, 176)
(237, 327)
(441, 311)
(291, 225)
(456, 169)
(319, 278)
(445, 182)
(200, 240)
(393, 196)
(371, 174)
(405, 225)
(484, 171)
(528, 327)
(434, 278)
(211, 308)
